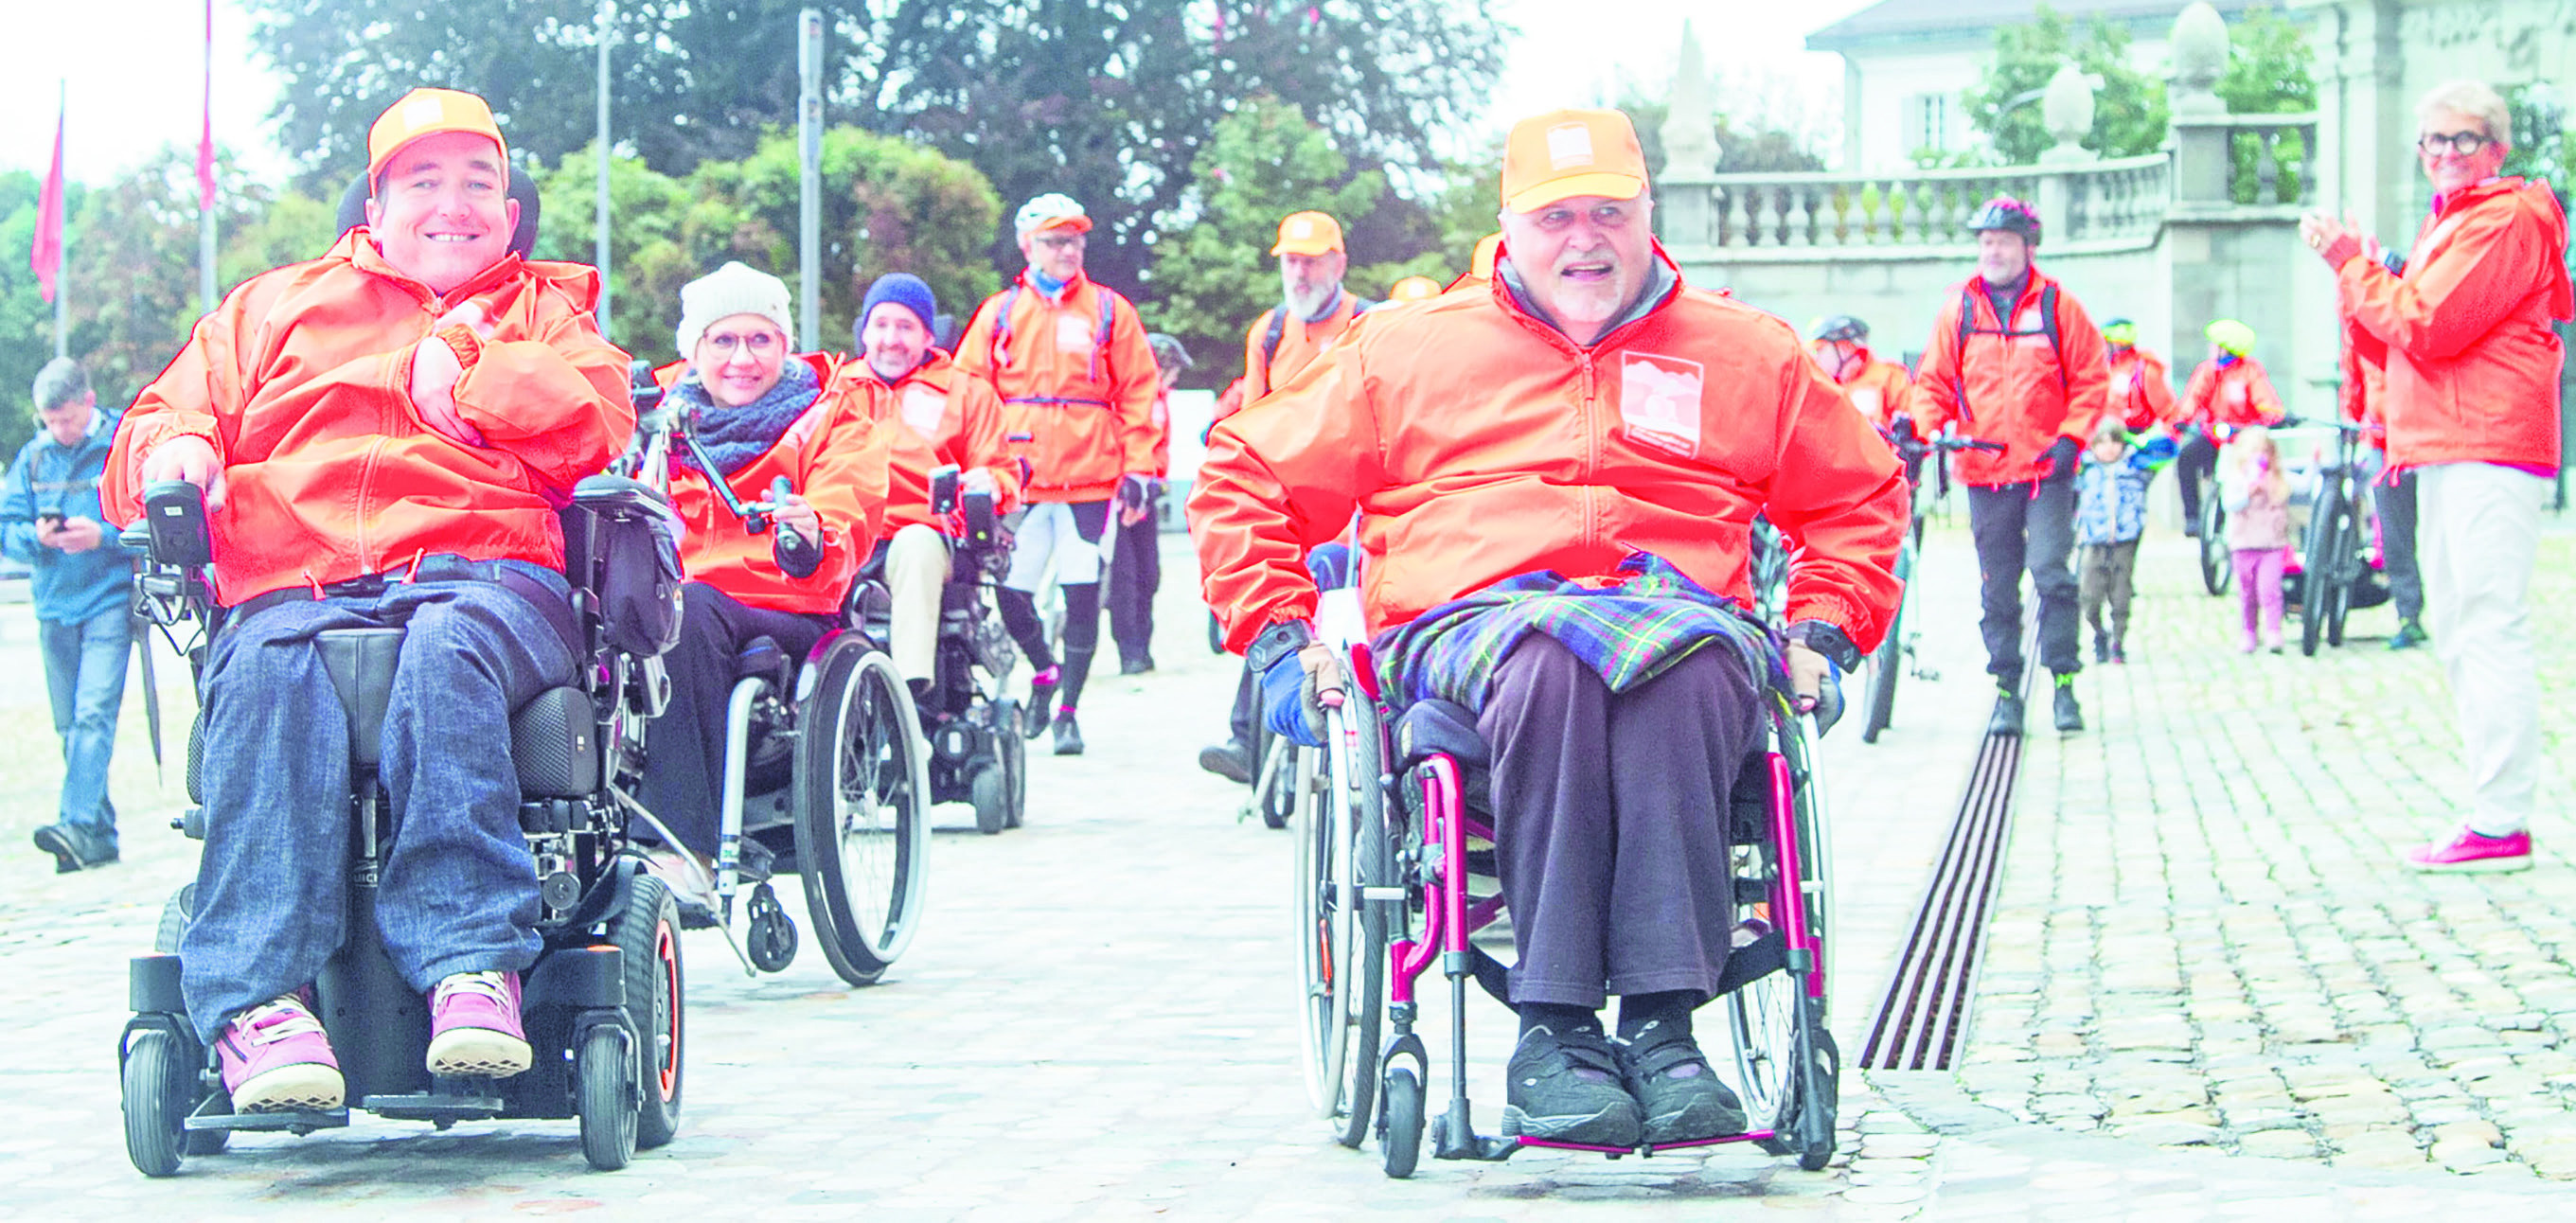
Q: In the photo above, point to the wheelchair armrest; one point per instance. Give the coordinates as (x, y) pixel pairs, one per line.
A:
(605, 492)
(1437, 727)
(869, 603)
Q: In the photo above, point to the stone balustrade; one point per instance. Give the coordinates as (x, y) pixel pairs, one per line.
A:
(2105, 200)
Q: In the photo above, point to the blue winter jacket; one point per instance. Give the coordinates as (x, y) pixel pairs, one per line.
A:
(2111, 498)
(50, 478)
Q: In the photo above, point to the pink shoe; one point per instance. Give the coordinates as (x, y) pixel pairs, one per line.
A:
(474, 1026)
(275, 1058)
(2470, 852)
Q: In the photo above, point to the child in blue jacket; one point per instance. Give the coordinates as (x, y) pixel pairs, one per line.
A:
(2110, 514)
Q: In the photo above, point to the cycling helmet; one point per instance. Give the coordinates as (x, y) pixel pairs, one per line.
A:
(1839, 329)
(2231, 336)
(2121, 332)
(1168, 353)
(2008, 214)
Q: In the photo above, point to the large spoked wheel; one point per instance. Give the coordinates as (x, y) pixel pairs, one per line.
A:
(862, 800)
(647, 935)
(157, 1092)
(1275, 788)
(1341, 850)
(2216, 567)
(1786, 1067)
(1889, 658)
(2343, 563)
(1770, 574)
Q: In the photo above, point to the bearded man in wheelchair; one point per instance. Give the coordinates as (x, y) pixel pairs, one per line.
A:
(772, 424)
(383, 437)
(1556, 477)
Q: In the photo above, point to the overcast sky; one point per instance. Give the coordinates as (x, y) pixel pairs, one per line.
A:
(133, 69)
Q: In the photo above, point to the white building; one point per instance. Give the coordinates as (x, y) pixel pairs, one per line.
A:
(1907, 65)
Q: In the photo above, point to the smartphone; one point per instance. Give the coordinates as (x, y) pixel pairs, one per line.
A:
(49, 521)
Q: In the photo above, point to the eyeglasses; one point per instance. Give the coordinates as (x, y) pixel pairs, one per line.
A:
(760, 343)
(1057, 242)
(2434, 144)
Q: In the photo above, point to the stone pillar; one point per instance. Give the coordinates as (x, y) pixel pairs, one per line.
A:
(1685, 197)
(2200, 134)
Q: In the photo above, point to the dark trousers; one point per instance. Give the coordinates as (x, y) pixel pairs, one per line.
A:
(459, 889)
(2107, 570)
(1135, 573)
(1610, 821)
(2194, 462)
(2397, 540)
(685, 748)
(2016, 530)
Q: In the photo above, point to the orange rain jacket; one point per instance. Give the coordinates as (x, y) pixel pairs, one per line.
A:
(2021, 390)
(301, 381)
(834, 456)
(1300, 342)
(2141, 390)
(1881, 390)
(2234, 396)
(1076, 379)
(1477, 442)
(941, 414)
(2472, 363)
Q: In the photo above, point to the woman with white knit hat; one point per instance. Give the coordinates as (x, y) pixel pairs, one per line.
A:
(759, 412)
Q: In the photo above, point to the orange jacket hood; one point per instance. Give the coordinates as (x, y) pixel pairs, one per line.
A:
(2472, 362)
(1476, 442)
(941, 414)
(1084, 401)
(301, 382)
(2141, 393)
(2019, 390)
(833, 456)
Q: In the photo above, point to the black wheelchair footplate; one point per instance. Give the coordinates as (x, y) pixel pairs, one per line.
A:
(298, 1121)
(448, 1101)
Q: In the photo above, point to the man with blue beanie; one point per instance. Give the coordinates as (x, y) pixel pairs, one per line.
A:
(50, 519)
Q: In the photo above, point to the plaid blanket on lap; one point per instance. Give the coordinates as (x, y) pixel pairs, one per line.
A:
(1627, 626)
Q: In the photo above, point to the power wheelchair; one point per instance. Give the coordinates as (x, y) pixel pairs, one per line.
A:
(1395, 872)
(825, 772)
(602, 1006)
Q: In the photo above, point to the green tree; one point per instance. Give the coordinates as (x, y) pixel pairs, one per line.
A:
(2129, 116)
(1212, 276)
(26, 318)
(1107, 100)
(2268, 73)
(653, 218)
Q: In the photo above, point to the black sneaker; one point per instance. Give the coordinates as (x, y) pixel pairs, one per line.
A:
(2408, 636)
(2101, 647)
(2070, 716)
(74, 849)
(1068, 737)
(1230, 760)
(1567, 1089)
(1681, 1096)
(1033, 711)
(2007, 719)
(1137, 665)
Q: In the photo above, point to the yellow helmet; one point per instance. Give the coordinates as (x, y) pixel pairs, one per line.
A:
(2232, 336)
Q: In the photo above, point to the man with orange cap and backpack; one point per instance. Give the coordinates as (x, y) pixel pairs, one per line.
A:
(2014, 359)
(1078, 383)
(1556, 477)
(383, 435)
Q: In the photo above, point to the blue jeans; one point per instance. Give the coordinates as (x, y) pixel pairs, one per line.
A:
(85, 675)
(459, 889)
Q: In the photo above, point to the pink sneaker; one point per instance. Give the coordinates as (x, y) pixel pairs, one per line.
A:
(474, 1026)
(2469, 852)
(275, 1058)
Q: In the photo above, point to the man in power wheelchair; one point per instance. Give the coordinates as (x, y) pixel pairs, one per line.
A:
(1552, 474)
(788, 742)
(949, 474)
(396, 905)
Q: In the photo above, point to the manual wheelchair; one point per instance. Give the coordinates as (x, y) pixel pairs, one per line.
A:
(1394, 872)
(824, 775)
(601, 1006)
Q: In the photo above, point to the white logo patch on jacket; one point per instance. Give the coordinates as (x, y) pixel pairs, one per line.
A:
(1072, 333)
(923, 407)
(1659, 398)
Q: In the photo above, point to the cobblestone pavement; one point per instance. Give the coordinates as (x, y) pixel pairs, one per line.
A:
(2204, 937)
(1096, 1019)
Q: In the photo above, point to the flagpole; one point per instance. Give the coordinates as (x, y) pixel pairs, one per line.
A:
(205, 178)
(599, 239)
(62, 232)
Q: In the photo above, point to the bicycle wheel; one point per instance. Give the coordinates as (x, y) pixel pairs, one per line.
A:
(862, 809)
(2347, 567)
(2216, 567)
(1889, 659)
(1341, 849)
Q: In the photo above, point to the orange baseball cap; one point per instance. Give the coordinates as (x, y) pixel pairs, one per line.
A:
(1308, 233)
(1413, 289)
(427, 112)
(1566, 153)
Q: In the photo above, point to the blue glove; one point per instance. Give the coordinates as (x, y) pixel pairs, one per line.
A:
(1284, 705)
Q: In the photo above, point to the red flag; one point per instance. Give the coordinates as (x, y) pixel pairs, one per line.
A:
(206, 134)
(47, 260)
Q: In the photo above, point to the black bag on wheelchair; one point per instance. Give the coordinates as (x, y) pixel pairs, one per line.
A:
(621, 542)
